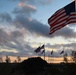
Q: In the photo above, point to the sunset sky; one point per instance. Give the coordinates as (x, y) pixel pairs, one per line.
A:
(24, 27)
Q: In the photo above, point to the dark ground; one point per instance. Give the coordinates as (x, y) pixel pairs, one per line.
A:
(37, 66)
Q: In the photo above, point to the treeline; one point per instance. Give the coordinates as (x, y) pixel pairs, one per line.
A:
(9, 60)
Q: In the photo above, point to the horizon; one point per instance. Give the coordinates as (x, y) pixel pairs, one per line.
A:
(47, 59)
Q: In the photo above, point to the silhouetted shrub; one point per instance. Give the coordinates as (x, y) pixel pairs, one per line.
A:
(33, 66)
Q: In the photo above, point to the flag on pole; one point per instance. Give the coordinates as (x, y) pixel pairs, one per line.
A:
(62, 52)
(42, 47)
(38, 49)
(42, 51)
(51, 52)
(62, 17)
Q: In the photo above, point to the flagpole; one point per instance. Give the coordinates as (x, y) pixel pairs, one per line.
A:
(44, 51)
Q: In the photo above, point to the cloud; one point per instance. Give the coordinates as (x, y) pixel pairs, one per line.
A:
(24, 9)
(15, 40)
(5, 17)
(35, 2)
(17, 34)
(60, 46)
(33, 26)
(36, 27)
(7, 40)
(65, 32)
(57, 48)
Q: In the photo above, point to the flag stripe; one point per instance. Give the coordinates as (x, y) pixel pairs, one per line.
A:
(56, 28)
(57, 25)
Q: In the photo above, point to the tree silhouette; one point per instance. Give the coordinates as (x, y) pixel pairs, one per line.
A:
(1, 59)
(65, 58)
(73, 54)
(15, 61)
(7, 59)
(19, 59)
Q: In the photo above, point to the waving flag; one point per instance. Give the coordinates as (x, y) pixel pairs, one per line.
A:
(62, 17)
(51, 52)
(42, 47)
(38, 49)
(62, 52)
(42, 51)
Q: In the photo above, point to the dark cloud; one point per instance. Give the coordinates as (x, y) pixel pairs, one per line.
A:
(58, 47)
(17, 34)
(20, 53)
(55, 46)
(65, 32)
(33, 26)
(36, 27)
(11, 40)
(5, 17)
(4, 37)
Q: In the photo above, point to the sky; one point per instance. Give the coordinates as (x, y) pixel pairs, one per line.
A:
(24, 27)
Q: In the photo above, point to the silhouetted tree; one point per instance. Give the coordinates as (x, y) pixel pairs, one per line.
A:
(73, 56)
(1, 59)
(15, 61)
(7, 59)
(19, 59)
(65, 58)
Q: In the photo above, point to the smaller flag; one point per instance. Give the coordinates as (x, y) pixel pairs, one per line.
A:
(51, 52)
(42, 47)
(42, 51)
(38, 49)
(62, 52)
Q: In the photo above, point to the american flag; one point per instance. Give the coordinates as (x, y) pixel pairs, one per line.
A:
(38, 49)
(62, 17)
(51, 52)
(42, 51)
(62, 52)
(42, 47)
